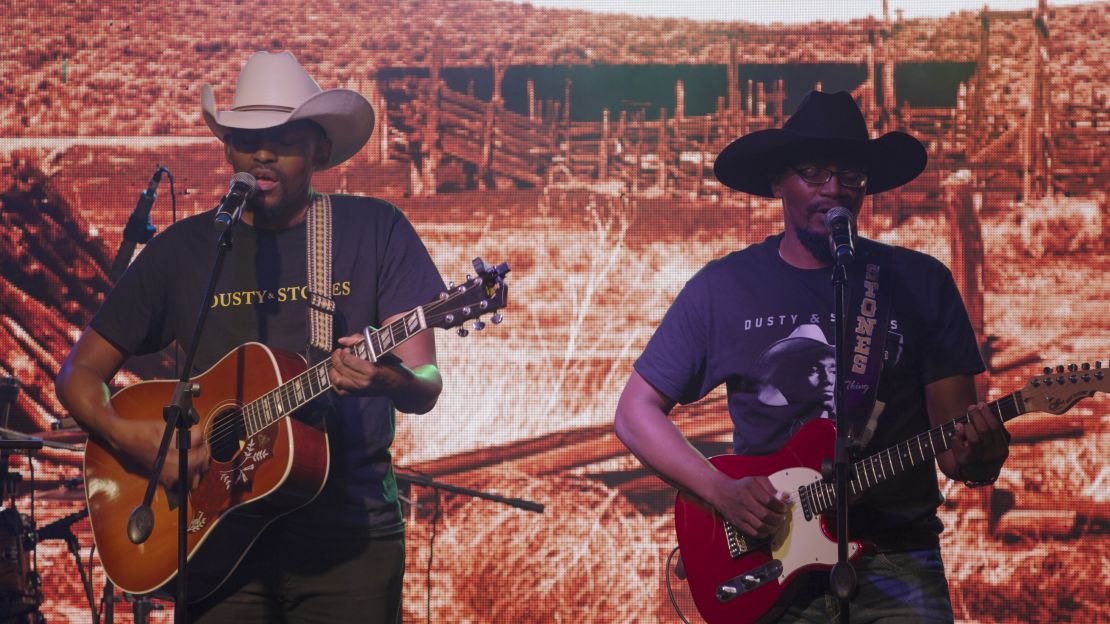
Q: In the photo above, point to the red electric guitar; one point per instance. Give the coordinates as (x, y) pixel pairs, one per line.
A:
(736, 579)
(267, 458)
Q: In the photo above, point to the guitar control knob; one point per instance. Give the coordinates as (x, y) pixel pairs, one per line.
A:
(496, 319)
(464, 332)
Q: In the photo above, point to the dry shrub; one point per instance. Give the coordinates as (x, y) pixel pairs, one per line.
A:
(1032, 581)
(589, 557)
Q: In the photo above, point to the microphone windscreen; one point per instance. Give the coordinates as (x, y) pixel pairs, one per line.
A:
(245, 179)
(837, 213)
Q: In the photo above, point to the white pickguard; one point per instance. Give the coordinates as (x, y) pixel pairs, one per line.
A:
(801, 542)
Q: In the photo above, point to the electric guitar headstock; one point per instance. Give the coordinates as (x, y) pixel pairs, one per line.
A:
(476, 296)
(1057, 390)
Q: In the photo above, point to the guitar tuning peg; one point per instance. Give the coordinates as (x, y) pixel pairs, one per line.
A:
(1086, 366)
(496, 319)
(463, 332)
(1060, 368)
(450, 284)
(1072, 367)
(468, 277)
(443, 295)
(479, 325)
(1047, 370)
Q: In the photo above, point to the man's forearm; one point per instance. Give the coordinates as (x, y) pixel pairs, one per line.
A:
(88, 400)
(419, 390)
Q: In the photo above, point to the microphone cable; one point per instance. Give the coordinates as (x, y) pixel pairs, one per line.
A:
(670, 590)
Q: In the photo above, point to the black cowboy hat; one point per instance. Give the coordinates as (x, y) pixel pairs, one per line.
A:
(825, 125)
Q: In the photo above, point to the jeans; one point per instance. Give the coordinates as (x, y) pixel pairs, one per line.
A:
(894, 587)
(301, 577)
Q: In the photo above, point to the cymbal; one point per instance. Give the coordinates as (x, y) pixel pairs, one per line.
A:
(12, 434)
(51, 488)
(74, 435)
(64, 494)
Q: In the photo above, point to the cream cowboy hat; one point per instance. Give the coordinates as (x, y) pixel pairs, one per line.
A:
(825, 125)
(274, 89)
(806, 340)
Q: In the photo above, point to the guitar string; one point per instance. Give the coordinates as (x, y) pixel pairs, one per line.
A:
(229, 424)
(1005, 405)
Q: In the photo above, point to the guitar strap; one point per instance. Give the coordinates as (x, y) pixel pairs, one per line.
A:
(867, 326)
(321, 307)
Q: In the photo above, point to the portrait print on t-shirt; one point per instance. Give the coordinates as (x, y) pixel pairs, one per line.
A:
(800, 371)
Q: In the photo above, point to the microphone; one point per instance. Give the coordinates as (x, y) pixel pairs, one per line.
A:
(243, 187)
(59, 529)
(138, 228)
(840, 223)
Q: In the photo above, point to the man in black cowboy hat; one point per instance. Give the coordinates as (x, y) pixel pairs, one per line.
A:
(736, 307)
(340, 557)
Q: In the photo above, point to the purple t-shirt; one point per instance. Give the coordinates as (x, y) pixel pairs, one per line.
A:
(763, 328)
(380, 267)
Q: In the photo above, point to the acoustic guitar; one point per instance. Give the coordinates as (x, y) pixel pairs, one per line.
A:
(268, 458)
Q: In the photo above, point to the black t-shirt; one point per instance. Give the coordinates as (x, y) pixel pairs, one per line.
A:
(760, 326)
(380, 268)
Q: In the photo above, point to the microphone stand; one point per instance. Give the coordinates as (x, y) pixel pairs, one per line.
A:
(180, 416)
(138, 230)
(141, 606)
(842, 577)
(519, 503)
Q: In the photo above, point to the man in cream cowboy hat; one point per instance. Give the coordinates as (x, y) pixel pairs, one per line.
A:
(799, 370)
(775, 297)
(340, 557)
(275, 96)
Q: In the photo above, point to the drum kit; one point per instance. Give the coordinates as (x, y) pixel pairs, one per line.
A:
(21, 587)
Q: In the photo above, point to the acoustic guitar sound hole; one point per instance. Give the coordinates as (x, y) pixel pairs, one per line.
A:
(226, 436)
